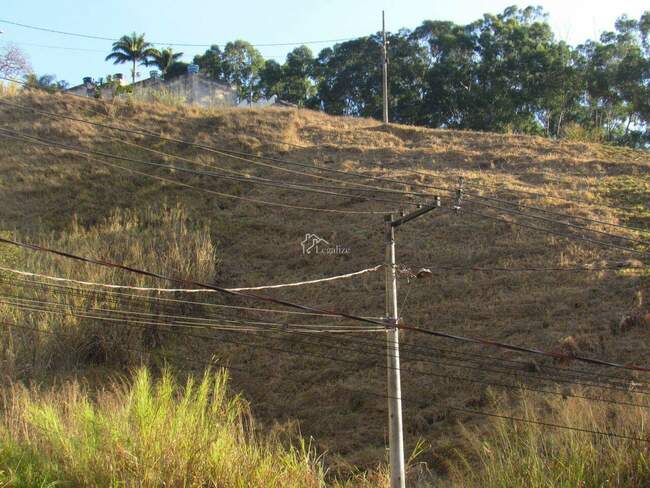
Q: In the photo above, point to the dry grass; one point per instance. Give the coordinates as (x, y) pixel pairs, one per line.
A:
(44, 191)
(516, 454)
(165, 238)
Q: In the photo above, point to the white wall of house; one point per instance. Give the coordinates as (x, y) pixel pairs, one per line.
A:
(191, 88)
(194, 89)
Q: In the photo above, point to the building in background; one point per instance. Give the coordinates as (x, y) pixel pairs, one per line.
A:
(191, 88)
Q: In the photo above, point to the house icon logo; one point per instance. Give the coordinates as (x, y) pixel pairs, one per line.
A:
(311, 242)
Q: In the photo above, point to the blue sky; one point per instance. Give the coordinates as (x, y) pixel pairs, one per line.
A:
(257, 21)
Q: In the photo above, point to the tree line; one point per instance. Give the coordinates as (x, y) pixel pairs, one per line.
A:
(503, 73)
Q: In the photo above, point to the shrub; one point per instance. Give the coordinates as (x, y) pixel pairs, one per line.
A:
(578, 133)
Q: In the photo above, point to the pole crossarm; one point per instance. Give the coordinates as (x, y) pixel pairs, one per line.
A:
(415, 214)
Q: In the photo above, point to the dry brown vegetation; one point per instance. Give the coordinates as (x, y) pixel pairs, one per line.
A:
(64, 200)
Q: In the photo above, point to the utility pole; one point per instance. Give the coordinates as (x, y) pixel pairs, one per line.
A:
(395, 429)
(385, 66)
(395, 434)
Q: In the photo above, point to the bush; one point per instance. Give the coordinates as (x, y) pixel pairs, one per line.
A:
(578, 133)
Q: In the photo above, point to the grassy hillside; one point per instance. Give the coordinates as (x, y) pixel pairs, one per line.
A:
(65, 200)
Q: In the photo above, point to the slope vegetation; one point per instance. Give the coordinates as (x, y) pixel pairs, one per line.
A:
(72, 201)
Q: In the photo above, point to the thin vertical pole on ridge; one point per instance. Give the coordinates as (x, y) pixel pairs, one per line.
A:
(385, 66)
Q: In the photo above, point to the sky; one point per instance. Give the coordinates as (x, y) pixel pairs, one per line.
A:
(206, 22)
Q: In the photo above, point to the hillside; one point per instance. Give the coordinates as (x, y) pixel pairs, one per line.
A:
(63, 199)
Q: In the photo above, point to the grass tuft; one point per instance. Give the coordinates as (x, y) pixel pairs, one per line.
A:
(513, 454)
(147, 433)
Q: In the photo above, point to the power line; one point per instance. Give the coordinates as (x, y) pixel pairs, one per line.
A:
(526, 269)
(232, 153)
(583, 238)
(512, 347)
(550, 424)
(194, 290)
(418, 353)
(116, 128)
(228, 152)
(140, 297)
(186, 281)
(512, 211)
(407, 399)
(349, 361)
(144, 319)
(560, 214)
(188, 320)
(32, 139)
(64, 48)
(358, 186)
(553, 221)
(550, 231)
(553, 197)
(85, 151)
(238, 154)
(568, 200)
(265, 182)
(169, 301)
(171, 44)
(104, 263)
(103, 51)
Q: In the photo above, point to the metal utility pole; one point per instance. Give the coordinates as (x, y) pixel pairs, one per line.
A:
(395, 430)
(385, 66)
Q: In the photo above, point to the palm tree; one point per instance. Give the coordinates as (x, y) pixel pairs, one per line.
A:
(133, 49)
(164, 59)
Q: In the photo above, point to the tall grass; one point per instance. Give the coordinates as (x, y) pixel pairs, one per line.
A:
(9, 89)
(144, 433)
(160, 238)
(516, 454)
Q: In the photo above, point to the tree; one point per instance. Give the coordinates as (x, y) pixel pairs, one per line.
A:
(292, 81)
(349, 78)
(45, 82)
(176, 69)
(271, 78)
(131, 49)
(616, 71)
(297, 86)
(449, 80)
(560, 90)
(211, 62)
(241, 64)
(164, 59)
(13, 62)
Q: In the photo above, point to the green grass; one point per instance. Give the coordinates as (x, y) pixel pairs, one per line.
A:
(148, 433)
